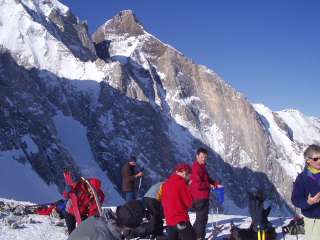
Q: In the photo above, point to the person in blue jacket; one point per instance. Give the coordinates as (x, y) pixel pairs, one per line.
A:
(306, 192)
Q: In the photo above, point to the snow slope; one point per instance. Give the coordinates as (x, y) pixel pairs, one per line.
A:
(33, 45)
(280, 138)
(19, 181)
(74, 137)
(305, 131)
(43, 227)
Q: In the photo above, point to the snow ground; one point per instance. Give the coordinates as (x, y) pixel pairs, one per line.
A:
(43, 227)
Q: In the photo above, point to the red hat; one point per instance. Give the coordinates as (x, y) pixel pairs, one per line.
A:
(183, 167)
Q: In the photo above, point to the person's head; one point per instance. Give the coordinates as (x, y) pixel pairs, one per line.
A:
(202, 156)
(312, 156)
(133, 161)
(183, 170)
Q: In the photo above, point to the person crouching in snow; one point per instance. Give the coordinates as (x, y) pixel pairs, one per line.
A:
(176, 200)
(152, 201)
(306, 192)
(87, 205)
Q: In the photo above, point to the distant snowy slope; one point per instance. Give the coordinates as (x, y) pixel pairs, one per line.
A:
(20, 182)
(292, 131)
(306, 130)
(34, 41)
(74, 137)
(281, 139)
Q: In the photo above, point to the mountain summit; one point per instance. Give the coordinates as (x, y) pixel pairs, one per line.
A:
(125, 22)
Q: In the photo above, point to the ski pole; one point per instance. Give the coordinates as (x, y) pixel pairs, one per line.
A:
(263, 235)
(259, 233)
(296, 223)
(140, 182)
(217, 213)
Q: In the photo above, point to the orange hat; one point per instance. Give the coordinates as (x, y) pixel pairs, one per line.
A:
(183, 167)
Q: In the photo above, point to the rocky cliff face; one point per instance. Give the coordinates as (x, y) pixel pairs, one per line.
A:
(89, 104)
(197, 99)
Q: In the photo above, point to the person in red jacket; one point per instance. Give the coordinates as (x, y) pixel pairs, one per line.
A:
(201, 183)
(176, 200)
(87, 205)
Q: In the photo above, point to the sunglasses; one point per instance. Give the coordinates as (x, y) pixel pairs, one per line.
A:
(315, 159)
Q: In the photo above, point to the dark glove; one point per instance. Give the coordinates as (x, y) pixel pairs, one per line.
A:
(182, 225)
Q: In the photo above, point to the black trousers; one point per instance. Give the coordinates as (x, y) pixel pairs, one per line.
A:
(181, 234)
(201, 208)
(156, 215)
(70, 222)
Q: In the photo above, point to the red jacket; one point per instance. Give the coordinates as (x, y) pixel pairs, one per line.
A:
(200, 185)
(86, 202)
(176, 200)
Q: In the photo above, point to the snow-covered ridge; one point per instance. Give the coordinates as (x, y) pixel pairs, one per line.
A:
(305, 129)
(304, 132)
(33, 46)
(45, 6)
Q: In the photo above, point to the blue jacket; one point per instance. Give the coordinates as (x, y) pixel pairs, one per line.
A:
(304, 185)
(153, 190)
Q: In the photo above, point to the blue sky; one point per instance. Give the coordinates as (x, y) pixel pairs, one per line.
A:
(267, 49)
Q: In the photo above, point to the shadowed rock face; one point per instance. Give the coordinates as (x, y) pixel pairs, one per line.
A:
(74, 34)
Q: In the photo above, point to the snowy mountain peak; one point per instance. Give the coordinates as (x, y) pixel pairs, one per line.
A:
(44, 6)
(124, 23)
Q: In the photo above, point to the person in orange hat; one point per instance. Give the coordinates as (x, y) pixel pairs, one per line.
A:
(176, 201)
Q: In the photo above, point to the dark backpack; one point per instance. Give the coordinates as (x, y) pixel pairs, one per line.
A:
(131, 214)
(295, 226)
(259, 217)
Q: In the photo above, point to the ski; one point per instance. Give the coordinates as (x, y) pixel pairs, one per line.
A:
(95, 195)
(215, 232)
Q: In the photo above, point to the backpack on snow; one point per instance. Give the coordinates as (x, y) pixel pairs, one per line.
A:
(131, 214)
(260, 220)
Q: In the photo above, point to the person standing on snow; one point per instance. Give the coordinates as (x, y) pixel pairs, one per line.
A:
(306, 192)
(176, 201)
(129, 178)
(86, 202)
(201, 183)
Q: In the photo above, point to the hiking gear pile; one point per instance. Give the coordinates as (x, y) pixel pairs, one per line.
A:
(295, 227)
